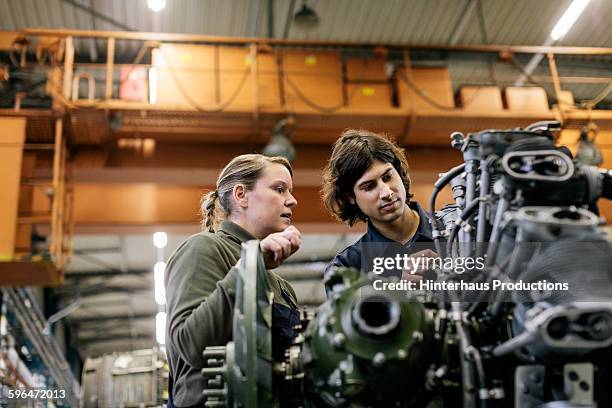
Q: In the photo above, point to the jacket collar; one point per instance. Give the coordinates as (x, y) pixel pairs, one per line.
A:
(235, 231)
(423, 230)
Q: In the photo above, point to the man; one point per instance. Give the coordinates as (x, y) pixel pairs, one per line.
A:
(366, 179)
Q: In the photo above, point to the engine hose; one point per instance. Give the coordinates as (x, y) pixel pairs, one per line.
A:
(483, 391)
(467, 370)
(443, 314)
(495, 273)
(465, 214)
(502, 207)
(471, 170)
(485, 181)
(470, 354)
(438, 186)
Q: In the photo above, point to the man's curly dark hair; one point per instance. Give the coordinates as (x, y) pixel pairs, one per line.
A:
(352, 154)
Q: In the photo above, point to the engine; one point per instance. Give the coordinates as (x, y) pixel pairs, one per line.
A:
(529, 326)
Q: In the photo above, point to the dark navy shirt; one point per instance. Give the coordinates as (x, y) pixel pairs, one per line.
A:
(373, 244)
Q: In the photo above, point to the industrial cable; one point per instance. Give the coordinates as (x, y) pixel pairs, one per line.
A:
(310, 103)
(423, 95)
(443, 316)
(494, 273)
(313, 105)
(592, 102)
(460, 221)
(485, 180)
(222, 106)
(502, 207)
(467, 371)
(438, 186)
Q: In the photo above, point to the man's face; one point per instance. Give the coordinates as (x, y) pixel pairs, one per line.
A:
(270, 203)
(380, 193)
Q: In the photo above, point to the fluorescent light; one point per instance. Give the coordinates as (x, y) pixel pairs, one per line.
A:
(568, 19)
(160, 290)
(160, 239)
(156, 5)
(160, 327)
(153, 85)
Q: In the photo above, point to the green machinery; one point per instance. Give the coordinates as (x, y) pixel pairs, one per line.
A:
(364, 347)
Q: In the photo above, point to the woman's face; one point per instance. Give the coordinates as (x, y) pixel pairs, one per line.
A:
(270, 202)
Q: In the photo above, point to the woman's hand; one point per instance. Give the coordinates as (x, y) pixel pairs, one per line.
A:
(279, 246)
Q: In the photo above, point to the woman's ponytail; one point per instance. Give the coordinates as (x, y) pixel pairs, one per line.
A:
(208, 210)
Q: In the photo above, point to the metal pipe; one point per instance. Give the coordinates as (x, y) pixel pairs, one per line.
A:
(270, 18)
(257, 17)
(110, 60)
(485, 180)
(533, 63)
(461, 24)
(552, 64)
(55, 220)
(502, 207)
(471, 169)
(175, 37)
(289, 19)
(68, 67)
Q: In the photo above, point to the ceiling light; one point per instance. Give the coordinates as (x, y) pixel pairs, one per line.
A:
(568, 19)
(153, 85)
(306, 17)
(158, 276)
(160, 327)
(160, 239)
(156, 5)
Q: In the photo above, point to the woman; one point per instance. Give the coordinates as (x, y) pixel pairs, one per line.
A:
(252, 200)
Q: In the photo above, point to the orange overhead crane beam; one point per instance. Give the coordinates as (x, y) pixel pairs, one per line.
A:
(127, 190)
(209, 39)
(11, 154)
(15, 226)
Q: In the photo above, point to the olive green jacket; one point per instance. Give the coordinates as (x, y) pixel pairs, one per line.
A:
(200, 292)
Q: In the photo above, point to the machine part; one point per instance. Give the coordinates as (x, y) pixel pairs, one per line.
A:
(497, 142)
(529, 386)
(220, 386)
(242, 375)
(545, 126)
(375, 316)
(340, 279)
(568, 329)
(546, 224)
(137, 378)
(367, 347)
(530, 383)
(545, 165)
(578, 381)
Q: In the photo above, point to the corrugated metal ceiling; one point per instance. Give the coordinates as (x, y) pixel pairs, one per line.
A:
(384, 21)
